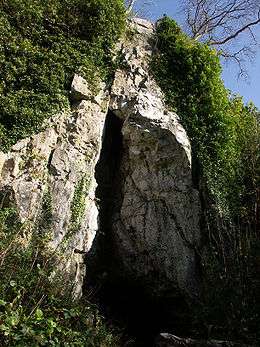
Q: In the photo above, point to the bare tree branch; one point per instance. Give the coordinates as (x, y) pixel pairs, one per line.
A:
(220, 23)
(231, 37)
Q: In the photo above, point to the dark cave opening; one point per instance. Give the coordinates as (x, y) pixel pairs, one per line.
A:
(122, 300)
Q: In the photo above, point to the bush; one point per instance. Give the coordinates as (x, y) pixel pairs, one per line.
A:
(42, 44)
(225, 137)
(36, 308)
(224, 132)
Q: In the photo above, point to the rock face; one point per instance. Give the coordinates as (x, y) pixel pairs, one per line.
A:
(155, 217)
(156, 223)
(58, 165)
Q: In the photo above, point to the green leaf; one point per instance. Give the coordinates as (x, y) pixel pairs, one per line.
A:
(13, 283)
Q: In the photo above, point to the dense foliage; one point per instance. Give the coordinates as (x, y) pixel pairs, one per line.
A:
(42, 44)
(223, 131)
(225, 136)
(35, 301)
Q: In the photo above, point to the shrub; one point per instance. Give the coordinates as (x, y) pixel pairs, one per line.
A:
(42, 44)
(224, 133)
(35, 308)
(225, 137)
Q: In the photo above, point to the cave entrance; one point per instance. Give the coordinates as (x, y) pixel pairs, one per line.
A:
(122, 300)
(107, 172)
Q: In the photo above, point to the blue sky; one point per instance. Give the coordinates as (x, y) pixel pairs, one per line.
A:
(249, 89)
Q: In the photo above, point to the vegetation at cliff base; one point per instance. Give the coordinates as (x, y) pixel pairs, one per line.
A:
(36, 306)
(225, 137)
(42, 45)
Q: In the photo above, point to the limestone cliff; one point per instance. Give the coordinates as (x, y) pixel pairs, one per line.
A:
(154, 221)
(156, 224)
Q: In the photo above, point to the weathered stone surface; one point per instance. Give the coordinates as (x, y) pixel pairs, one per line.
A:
(156, 224)
(80, 89)
(142, 25)
(2, 161)
(60, 163)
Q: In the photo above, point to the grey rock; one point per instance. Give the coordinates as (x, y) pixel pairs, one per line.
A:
(80, 89)
(60, 161)
(142, 25)
(156, 223)
(156, 220)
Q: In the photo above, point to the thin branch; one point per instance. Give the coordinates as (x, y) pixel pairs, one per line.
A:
(238, 32)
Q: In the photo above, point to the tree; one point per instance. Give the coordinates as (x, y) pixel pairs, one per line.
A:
(228, 25)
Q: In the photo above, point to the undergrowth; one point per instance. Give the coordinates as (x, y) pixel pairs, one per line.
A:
(225, 137)
(36, 306)
(42, 45)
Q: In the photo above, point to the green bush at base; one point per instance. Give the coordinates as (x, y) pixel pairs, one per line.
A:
(36, 306)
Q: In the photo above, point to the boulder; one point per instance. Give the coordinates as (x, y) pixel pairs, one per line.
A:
(79, 89)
